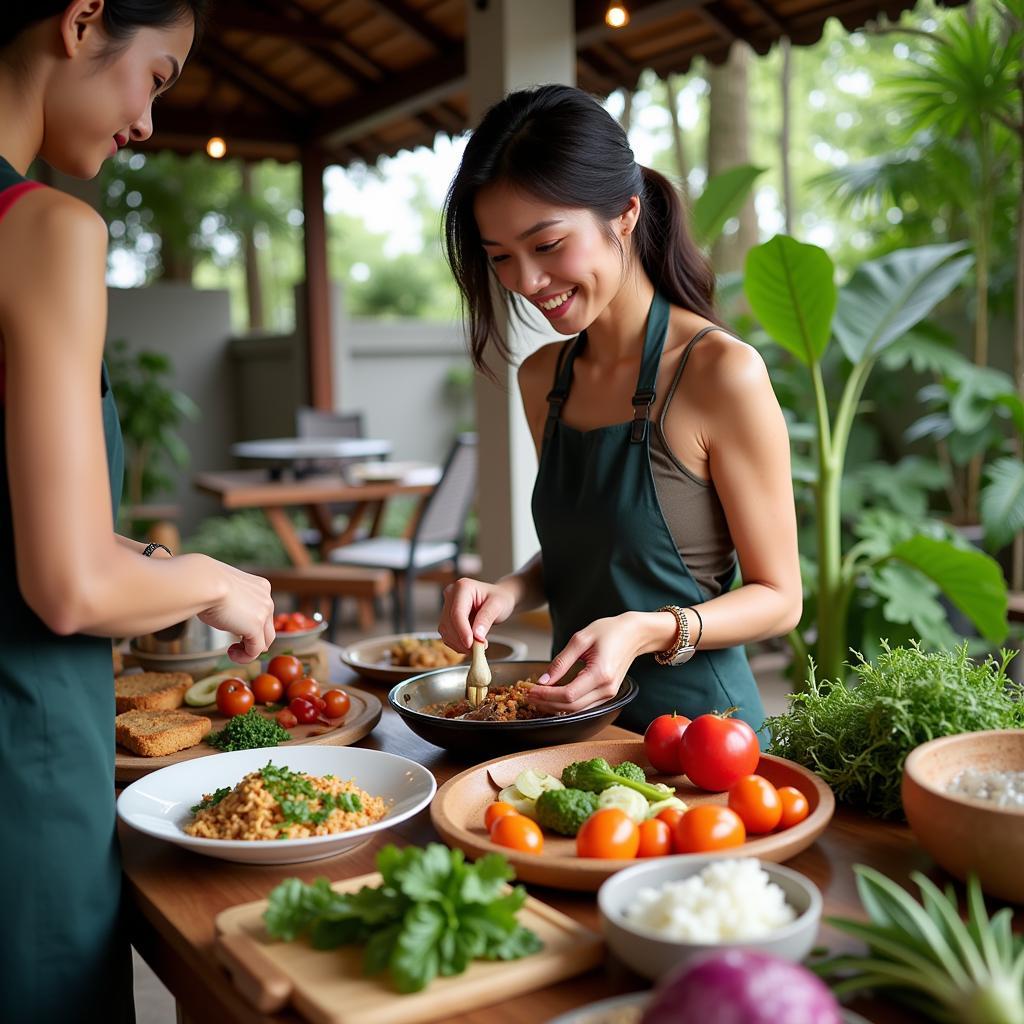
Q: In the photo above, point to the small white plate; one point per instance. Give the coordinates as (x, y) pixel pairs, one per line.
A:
(297, 641)
(159, 804)
(372, 658)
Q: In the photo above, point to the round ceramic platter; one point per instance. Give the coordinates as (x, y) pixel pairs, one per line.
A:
(159, 805)
(458, 812)
(362, 716)
(629, 1009)
(371, 658)
(299, 641)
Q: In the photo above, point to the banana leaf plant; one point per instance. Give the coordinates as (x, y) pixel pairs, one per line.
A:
(903, 562)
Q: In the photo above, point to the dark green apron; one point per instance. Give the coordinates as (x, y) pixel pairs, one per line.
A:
(63, 956)
(606, 548)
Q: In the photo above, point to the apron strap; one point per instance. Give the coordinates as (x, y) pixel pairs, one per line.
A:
(563, 379)
(654, 342)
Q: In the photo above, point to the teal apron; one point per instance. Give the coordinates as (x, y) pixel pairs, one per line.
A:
(63, 953)
(606, 548)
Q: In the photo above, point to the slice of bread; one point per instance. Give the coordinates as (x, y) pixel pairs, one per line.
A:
(155, 733)
(150, 691)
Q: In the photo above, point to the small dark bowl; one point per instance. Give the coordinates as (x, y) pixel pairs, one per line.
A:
(488, 738)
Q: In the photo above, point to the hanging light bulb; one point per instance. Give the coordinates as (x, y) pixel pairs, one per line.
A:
(216, 147)
(617, 15)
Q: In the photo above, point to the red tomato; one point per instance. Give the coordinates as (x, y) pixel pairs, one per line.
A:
(337, 703)
(234, 697)
(305, 687)
(794, 806)
(608, 833)
(717, 751)
(496, 810)
(267, 689)
(709, 827)
(517, 832)
(297, 621)
(661, 742)
(757, 803)
(286, 719)
(671, 815)
(286, 667)
(655, 838)
(303, 710)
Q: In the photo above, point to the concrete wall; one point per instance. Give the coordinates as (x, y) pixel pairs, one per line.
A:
(193, 328)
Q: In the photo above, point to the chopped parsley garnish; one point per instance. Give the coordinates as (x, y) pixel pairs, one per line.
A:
(300, 801)
(249, 731)
(211, 799)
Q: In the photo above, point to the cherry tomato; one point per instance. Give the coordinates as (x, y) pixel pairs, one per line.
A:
(661, 742)
(655, 838)
(280, 622)
(234, 697)
(716, 751)
(305, 711)
(670, 815)
(794, 806)
(608, 833)
(286, 667)
(496, 810)
(306, 687)
(709, 827)
(337, 703)
(267, 689)
(517, 832)
(757, 803)
(286, 719)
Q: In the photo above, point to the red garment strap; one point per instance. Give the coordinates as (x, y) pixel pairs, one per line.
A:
(11, 195)
(8, 198)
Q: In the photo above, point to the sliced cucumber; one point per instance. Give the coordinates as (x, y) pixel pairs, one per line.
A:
(532, 783)
(204, 692)
(524, 805)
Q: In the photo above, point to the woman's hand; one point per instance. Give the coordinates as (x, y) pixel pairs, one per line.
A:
(607, 647)
(471, 607)
(247, 610)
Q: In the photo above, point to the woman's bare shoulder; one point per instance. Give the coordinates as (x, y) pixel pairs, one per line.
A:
(537, 370)
(726, 365)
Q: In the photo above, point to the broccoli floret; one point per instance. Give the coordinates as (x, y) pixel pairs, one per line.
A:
(564, 810)
(596, 775)
(630, 770)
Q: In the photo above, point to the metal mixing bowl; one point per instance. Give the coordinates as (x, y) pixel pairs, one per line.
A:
(489, 738)
(190, 646)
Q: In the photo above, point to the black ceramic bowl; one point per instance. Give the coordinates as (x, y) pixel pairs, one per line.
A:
(490, 738)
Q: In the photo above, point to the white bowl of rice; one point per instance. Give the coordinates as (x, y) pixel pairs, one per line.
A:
(669, 911)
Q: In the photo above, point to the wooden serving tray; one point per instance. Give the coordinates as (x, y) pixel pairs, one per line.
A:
(329, 987)
(363, 715)
(457, 812)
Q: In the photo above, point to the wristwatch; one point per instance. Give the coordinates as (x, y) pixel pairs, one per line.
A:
(682, 650)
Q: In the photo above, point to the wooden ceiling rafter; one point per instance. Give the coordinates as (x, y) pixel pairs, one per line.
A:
(253, 78)
(415, 23)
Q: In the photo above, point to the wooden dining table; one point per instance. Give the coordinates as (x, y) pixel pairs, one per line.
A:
(251, 488)
(174, 897)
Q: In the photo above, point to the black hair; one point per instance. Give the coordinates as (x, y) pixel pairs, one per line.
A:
(558, 144)
(121, 18)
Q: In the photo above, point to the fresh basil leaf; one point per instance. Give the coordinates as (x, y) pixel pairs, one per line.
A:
(380, 948)
(415, 960)
(426, 878)
(522, 942)
(486, 880)
(294, 906)
(330, 934)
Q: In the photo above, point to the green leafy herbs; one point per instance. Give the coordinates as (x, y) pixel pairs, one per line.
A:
(211, 799)
(857, 738)
(926, 956)
(249, 731)
(432, 914)
(300, 801)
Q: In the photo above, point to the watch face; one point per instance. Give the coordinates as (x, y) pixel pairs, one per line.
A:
(684, 655)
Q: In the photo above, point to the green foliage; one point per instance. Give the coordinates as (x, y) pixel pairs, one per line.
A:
(723, 198)
(243, 538)
(857, 737)
(249, 732)
(433, 914)
(151, 413)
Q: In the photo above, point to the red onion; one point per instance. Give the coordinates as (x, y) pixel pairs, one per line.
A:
(743, 987)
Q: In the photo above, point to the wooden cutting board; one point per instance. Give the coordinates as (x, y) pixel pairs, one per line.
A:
(362, 716)
(329, 987)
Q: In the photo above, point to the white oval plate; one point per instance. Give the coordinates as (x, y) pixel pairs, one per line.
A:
(371, 658)
(159, 804)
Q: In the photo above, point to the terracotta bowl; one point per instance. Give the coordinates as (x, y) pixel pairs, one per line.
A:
(964, 834)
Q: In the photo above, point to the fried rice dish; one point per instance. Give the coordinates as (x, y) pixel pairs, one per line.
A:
(277, 803)
(413, 652)
(502, 704)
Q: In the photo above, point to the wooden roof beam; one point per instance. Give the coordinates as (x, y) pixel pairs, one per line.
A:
(769, 16)
(251, 78)
(402, 94)
(329, 35)
(413, 21)
(591, 26)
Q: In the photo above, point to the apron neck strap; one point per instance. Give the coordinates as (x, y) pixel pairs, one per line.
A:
(563, 381)
(654, 342)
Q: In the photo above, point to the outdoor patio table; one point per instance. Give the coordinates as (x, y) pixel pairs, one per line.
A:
(245, 488)
(298, 450)
(174, 897)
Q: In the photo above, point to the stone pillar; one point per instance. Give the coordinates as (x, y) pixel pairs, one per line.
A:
(511, 44)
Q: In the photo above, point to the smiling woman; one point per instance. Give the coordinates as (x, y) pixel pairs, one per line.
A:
(77, 79)
(654, 486)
